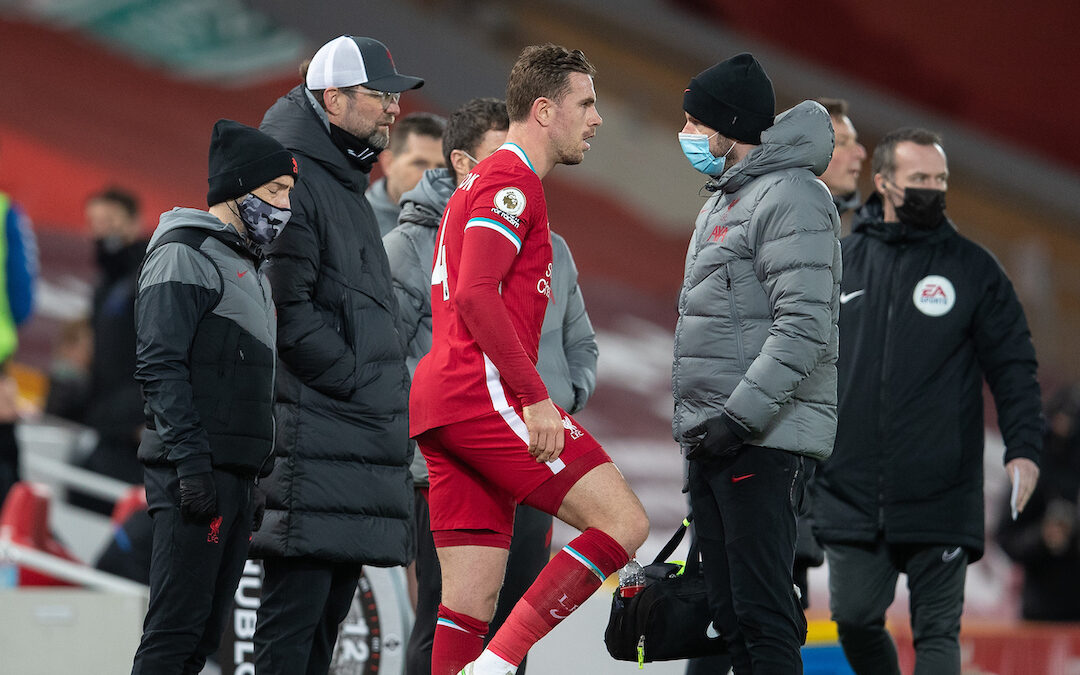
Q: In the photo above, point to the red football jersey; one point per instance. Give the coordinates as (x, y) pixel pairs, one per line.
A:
(494, 235)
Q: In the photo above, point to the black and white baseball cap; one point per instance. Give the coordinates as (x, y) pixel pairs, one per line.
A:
(347, 61)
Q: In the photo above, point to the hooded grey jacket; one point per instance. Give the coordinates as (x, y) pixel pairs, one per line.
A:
(757, 333)
(205, 355)
(386, 211)
(568, 352)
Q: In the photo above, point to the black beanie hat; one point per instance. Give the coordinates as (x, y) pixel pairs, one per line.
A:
(735, 97)
(242, 159)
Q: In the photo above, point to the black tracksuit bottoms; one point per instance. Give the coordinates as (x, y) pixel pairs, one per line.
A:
(9, 459)
(194, 570)
(304, 601)
(862, 585)
(745, 508)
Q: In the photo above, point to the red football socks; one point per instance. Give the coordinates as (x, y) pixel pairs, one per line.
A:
(459, 639)
(567, 581)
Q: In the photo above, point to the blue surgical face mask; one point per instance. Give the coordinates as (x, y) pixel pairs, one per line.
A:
(262, 220)
(696, 149)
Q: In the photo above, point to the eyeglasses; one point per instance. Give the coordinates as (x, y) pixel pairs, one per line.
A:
(386, 98)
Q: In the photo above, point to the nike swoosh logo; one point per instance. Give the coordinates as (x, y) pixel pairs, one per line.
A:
(736, 479)
(947, 556)
(845, 297)
(240, 275)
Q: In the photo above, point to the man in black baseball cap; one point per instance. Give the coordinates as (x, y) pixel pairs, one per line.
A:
(340, 494)
(357, 70)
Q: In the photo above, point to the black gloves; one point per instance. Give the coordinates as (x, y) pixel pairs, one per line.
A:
(714, 438)
(198, 497)
(258, 498)
(198, 500)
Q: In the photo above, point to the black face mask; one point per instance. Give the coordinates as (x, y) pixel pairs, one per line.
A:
(923, 208)
(359, 153)
(116, 257)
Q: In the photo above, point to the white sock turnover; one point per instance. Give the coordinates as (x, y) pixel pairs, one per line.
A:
(490, 664)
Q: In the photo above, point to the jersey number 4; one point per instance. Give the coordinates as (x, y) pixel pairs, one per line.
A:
(438, 272)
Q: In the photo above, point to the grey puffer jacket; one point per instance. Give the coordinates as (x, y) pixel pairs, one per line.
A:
(568, 351)
(757, 334)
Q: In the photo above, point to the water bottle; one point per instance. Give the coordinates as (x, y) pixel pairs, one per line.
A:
(631, 579)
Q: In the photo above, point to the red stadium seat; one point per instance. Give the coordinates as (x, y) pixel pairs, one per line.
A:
(133, 500)
(24, 520)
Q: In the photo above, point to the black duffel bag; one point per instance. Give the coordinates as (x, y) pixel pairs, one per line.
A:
(669, 618)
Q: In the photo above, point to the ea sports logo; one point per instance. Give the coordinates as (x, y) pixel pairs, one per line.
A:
(934, 295)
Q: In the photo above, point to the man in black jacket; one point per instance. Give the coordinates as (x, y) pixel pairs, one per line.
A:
(340, 494)
(205, 357)
(113, 406)
(925, 315)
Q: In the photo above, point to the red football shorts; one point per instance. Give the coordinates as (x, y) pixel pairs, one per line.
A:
(481, 469)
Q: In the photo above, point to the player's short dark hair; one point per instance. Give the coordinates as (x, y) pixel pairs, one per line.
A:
(836, 107)
(119, 196)
(419, 124)
(542, 71)
(884, 160)
(470, 122)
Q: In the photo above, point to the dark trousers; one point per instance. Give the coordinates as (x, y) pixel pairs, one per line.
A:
(862, 585)
(744, 516)
(194, 570)
(304, 600)
(9, 459)
(530, 551)
(716, 664)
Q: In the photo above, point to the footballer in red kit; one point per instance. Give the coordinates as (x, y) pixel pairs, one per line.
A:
(494, 229)
(494, 237)
(481, 415)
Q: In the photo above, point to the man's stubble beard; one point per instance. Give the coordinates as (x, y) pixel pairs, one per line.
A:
(572, 158)
(571, 153)
(373, 135)
(378, 139)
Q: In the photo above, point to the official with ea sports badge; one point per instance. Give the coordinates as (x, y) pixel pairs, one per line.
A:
(925, 314)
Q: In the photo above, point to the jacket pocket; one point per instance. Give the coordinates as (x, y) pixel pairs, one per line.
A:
(733, 312)
(345, 321)
(231, 353)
